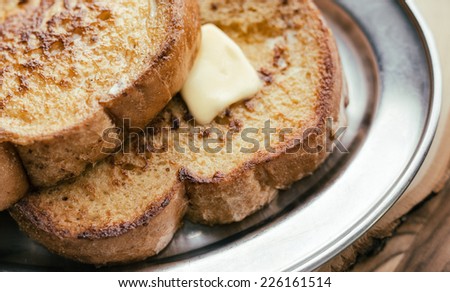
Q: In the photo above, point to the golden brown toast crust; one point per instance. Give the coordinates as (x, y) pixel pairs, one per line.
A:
(15, 183)
(138, 240)
(167, 71)
(215, 196)
(51, 158)
(67, 154)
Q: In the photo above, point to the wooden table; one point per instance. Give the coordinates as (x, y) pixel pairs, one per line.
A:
(415, 234)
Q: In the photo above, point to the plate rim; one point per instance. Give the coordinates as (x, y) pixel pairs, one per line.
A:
(426, 141)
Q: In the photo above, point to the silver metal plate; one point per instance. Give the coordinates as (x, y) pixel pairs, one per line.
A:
(394, 86)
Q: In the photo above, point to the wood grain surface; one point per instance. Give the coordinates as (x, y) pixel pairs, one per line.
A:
(420, 244)
(409, 238)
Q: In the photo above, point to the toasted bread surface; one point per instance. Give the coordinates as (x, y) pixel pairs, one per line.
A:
(225, 179)
(69, 70)
(144, 237)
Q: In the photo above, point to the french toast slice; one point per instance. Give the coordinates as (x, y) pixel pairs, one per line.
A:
(69, 70)
(219, 172)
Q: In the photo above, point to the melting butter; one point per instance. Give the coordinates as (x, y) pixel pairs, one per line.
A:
(221, 76)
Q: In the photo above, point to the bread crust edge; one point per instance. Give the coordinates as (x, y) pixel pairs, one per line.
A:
(12, 176)
(145, 237)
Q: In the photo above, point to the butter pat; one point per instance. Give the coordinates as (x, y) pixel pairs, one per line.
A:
(221, 76)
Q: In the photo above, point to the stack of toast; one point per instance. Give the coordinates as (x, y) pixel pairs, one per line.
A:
(71, 71)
